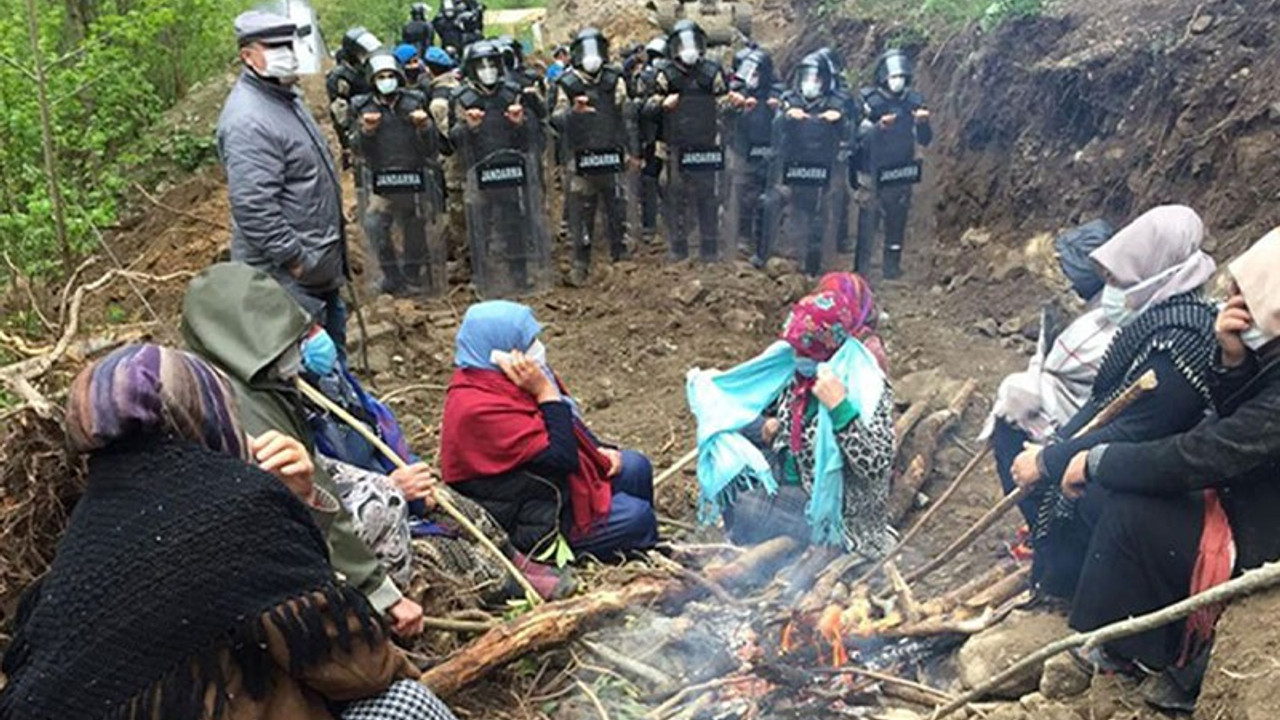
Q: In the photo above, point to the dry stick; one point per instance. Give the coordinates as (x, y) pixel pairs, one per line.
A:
(886, 679)
(927, 516)
(604, 714)
(1250, 582)
(908, 420)
(628, 665)
(183, 213)
(394, 394)
(1140, 387)
(442, 501)
(115, 259)
(452, 625)
(677, 467)
(684, 695)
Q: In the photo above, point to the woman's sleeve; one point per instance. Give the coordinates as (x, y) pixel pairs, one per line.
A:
(364, 671)
(1172, 407)
(561, 456)
(867, 447)
(1212, 454)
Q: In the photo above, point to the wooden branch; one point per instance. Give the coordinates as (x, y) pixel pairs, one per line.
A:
(904, 424)
(907, 601)
(930, 435)
(677, 467)
(595, 700)
(627, 665)
(442, 501)
(1140, 387)
(955, 598)
(1252, 581)
(684, 695)
(181, 213)
(463, 626)
(906, 488)
(885, 678)
(1000, 592)
(557, 622)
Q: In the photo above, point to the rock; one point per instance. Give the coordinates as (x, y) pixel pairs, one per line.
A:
(917, 386)
(1063, 678)
(993, 651)
(1012, 326)
(688, 293)
(987, 327)
(975, 237)
(742, 320)
(794, 286)
(1202, 24)
(1273, 111)
(776, 267)
(381, 359)
(410, 315)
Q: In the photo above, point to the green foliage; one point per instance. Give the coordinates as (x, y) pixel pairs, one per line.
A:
(113, 68)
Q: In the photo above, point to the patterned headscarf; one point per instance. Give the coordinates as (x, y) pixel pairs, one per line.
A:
(148, 390)
(816, 329)
(867, 315)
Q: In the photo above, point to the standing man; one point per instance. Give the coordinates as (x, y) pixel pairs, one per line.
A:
(286, 198)
(896, 119)
(443, 80)
(418, 32)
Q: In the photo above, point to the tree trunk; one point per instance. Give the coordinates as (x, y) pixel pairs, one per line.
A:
(46, 138)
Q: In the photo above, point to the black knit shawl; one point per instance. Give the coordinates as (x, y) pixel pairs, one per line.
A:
(1181, 326)
(173, 558)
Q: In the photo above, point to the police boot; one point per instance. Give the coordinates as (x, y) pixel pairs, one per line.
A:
(892, 262)
(581, 265)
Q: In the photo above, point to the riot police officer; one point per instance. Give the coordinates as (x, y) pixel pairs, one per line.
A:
(346, 80)
(594, 115)
(650, 126)
(510, 249)
(418, 31)
(846, 181)
(896, 119)
(809, 125)
(440, 83)
(398, 144)
(458, 23)
(753, 100)
(689, 93)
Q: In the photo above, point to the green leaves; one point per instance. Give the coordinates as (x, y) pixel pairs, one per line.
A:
(559, 552)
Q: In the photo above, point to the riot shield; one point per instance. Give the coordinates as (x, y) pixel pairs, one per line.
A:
(695, 163)
(403, 223)
(506, 226)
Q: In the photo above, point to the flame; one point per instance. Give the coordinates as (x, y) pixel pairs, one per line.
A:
(789, 637)
(830, 627)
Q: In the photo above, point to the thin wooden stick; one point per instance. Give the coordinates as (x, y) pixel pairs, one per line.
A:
(586, 689)
(683, 696)
(883, 678)
(1262, 578)
(628, 665)
(452, 625)
(442, 501)
(926, 517)
(1140, 387)
(394, 394)
(677, 467)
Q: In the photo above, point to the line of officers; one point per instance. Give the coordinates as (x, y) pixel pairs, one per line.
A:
(457, 157)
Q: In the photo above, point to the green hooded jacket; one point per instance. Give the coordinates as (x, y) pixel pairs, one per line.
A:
(242, 320)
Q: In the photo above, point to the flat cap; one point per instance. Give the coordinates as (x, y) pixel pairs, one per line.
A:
(260, 26)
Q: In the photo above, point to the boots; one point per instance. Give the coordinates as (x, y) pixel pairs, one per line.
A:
(892, 263)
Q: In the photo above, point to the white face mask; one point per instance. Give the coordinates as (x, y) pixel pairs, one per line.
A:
(281, 64)
(592, 63)
(487, 75)
(689, 56)
(897, 84)
(537, 352)
(387, 85)
(1254, 338)
(810, 88)
(1114, 305)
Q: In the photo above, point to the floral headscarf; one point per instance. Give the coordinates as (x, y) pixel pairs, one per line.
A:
(866, 316)
(816, 329)
(148, 390)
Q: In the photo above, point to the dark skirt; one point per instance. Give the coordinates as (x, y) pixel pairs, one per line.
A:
(1141, 559)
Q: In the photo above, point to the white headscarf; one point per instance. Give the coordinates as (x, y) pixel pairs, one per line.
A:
(1157, 256)
(1257, 273)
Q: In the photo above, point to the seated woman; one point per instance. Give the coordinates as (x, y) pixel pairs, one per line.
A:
(1032, 405)
(191, 585)
(1187, 511)
(799, 440)
(514, 440)
(376, 489)
(1154, 272)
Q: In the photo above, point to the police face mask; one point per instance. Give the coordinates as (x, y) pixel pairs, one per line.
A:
(487, 73)
(1114, 305)
(592, 64)
(810, 86)
(280, 63)
(387, 84)
(689, 53)
(897, 83)
(592, 57)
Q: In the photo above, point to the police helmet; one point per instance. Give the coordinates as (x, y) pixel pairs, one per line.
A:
(589, 50)
(358, 43)
(418, 12)
(894, 62)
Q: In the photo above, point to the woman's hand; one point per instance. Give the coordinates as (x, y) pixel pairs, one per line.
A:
(527, 376)
(416, 482)
(286, 458)
(1026, 467)
(828, 388)
(615, 460)
(406, 618)
(1074, 479)
(1233, 319)
(770, 430)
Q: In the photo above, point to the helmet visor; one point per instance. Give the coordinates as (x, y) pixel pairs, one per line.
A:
(897, 65)
(688, 44)
(590, 54)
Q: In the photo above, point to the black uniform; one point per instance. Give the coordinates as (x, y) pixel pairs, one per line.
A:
(401, 160)
(418, 33)
(649, 124)
(344, 82)
(749, 130)
(694, 156)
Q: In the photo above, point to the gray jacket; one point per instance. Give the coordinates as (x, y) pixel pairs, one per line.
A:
(286, 199)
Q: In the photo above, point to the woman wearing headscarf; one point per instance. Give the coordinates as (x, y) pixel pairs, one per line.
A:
(1186, 511)
(1154, 272)
(514, 440)
(1032, 405)
(189, 584)
(799, 440)
(866, 318)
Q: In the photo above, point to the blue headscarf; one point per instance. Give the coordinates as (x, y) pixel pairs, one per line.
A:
(493, 325)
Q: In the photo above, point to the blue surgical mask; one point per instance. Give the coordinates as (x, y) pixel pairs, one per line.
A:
(807, 367)
(319, 354)
(1114, 305)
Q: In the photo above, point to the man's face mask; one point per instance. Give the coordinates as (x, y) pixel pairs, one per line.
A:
(811, 86)
(592, 63)
(387, 84)
(897, 83)
(279, 63)
(487, 73)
